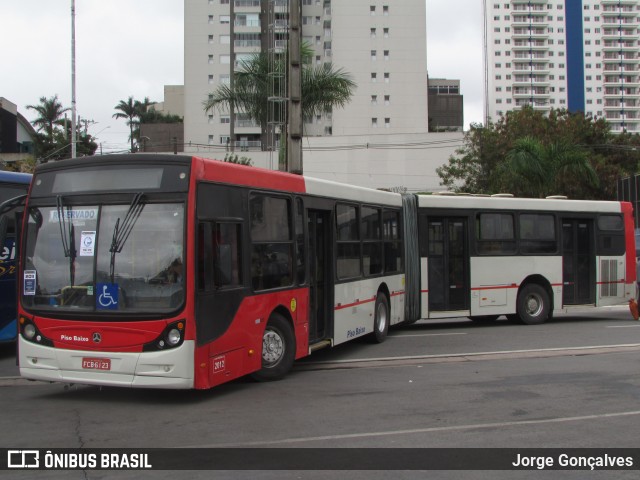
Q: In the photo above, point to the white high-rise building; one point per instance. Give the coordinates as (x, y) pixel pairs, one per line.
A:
(581, 55)
(380, 43)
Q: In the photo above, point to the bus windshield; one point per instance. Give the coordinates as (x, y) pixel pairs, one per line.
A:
(104, 258)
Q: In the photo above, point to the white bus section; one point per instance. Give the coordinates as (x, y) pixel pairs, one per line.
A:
(494, 280)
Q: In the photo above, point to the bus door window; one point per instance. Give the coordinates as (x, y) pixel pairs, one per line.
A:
(227, 255)
(300, 243)
(448, 264)
(319, 225)
(578, 262)
(272, 242)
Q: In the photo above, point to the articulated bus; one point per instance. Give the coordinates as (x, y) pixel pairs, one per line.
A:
(172, 271)
(12, 185)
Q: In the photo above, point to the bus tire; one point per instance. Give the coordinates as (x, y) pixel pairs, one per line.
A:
(380, 319)
(278, 349)
(533, 305)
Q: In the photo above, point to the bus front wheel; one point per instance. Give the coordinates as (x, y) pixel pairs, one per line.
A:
(533, 305)
(278, 349)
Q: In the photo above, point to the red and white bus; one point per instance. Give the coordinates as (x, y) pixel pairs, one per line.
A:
(173, 271)
(183, 272)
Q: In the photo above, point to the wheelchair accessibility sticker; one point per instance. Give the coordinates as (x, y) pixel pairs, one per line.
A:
(107, 297)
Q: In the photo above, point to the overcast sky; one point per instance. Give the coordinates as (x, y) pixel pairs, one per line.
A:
(135, 47)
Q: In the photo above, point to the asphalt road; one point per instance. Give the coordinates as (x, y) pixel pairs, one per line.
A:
(571, 383)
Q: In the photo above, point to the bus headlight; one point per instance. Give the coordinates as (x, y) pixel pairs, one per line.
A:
(29, 331)
(173, 337)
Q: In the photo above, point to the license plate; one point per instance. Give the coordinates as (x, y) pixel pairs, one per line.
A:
(96, 363)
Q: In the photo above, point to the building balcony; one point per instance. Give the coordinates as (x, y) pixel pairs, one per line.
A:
(528, 93)
(626, 93)
(536, 69)
(538, 80)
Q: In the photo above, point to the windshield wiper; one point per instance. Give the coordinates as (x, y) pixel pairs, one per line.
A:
(121, 231)
(67, 234)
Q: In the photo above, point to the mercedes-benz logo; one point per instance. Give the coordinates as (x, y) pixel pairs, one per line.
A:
(97, 338)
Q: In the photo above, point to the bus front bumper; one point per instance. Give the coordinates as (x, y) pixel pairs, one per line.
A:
(171, 369)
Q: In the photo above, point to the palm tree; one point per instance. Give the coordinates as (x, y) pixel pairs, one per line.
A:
(50, 112)
(323, 89)
(129, 109)
(534, 169)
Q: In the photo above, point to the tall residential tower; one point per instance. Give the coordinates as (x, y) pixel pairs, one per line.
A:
(380, 43)
(581, 55)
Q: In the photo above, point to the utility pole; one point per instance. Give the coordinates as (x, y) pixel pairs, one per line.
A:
(73, 78)
(294, 132)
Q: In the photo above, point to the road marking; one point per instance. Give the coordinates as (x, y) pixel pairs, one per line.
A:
(426, 335)
(623, 326)
(413, 431)
(464, 357)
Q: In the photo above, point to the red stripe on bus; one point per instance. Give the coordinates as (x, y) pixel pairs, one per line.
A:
(354, 304)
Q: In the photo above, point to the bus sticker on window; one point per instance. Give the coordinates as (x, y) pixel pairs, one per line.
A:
(87, 244)
(29, 282)
(107, 298)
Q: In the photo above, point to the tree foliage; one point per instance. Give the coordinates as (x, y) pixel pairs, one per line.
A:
(323, 88)
(137, 112)
(532, 154)
(53, 140)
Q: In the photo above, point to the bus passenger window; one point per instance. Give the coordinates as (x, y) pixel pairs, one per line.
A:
(495, 234)
(538, 233)
(348, 237)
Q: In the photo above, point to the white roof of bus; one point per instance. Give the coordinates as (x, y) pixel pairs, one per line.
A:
(327, 188)
(471, 202)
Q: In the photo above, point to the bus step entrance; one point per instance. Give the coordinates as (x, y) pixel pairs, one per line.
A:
(319, 345)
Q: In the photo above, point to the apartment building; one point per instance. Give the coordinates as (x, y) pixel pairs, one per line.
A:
(581, 55)
(380, 43)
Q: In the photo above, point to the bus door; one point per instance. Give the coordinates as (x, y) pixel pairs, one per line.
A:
(448, 264)
(320, 274)
(578, 262)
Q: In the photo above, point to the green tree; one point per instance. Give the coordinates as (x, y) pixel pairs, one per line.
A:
(50, 114)
(479, 166)
(129, 109)
(323, 88)
(533, 169)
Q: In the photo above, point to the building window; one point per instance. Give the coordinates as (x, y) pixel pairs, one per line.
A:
(387, 77)
(210, 58)
(387, 99)
(374, 77)
(386, 54)
(385, 10)
(210, 39)
(225, 78)
(373, 55)
(374, 99)
(387, 122)
(210, 79)
(210, 19)
(225, 59)
(210, 119)
(225, 19)
(385, 32)
(372, 10)
(373, 33)
(225, 39)
(225, 119)
(374, 122)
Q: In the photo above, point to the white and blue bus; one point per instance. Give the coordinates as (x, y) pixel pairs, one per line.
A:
(12, 184)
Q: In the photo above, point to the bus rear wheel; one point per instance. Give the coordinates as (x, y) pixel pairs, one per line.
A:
(533, 305)
(278, 350)
(380, 319)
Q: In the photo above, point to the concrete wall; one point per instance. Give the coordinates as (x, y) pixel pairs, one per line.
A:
(404, 161)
